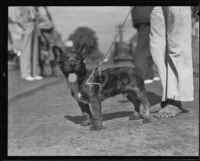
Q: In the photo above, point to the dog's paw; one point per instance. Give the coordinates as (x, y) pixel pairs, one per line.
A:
(85, 123)
(147, 118)
(95, 127)
(134, 116)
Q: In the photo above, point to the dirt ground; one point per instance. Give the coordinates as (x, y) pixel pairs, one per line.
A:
(46, 122)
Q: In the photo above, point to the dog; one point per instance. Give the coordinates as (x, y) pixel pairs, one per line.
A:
(108, 83)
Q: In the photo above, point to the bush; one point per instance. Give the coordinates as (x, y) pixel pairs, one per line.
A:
(85, 36)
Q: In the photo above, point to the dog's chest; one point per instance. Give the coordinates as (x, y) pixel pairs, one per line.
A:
(77, 92)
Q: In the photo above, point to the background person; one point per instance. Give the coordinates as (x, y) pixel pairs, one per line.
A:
(15, 35)
(29, 59)
(142, 56)
(49, 37)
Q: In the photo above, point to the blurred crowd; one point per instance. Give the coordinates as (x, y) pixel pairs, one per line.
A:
(31, 34)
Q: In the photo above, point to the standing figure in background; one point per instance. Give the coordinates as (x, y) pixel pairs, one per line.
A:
(142, 56)
(10, 38)
(15, 35)
(171, 50)
(29, 59)
(49, 37)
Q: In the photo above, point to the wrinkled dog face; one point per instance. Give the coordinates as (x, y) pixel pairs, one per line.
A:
(70, 61)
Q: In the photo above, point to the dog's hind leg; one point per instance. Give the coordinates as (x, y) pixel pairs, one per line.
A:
(85, 109)
(132, 97)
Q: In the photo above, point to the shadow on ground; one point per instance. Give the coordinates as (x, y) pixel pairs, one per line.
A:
(152, 97)
(107, 116)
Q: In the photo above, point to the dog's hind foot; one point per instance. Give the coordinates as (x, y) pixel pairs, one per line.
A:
(147, 118)
(95, 127)
(86, 123)
(134, 116)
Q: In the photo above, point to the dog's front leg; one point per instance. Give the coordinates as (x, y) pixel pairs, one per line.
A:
(143, 98)
(96, 114)
(85, 109)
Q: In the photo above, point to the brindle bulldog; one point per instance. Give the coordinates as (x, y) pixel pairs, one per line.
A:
(112, 81)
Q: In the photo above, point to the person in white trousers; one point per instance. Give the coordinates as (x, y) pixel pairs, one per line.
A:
(29, 58)
(171, 50)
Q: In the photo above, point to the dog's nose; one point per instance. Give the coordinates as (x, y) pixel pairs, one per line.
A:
(72, 65)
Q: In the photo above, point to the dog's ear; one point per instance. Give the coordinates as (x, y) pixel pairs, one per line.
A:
(57, 51)
(84, 50)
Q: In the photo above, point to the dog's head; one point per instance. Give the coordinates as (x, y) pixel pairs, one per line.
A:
(70, 60)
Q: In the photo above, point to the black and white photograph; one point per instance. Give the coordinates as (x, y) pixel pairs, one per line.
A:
(103, 81)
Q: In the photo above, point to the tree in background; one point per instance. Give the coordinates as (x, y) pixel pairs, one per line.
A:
(85, 36)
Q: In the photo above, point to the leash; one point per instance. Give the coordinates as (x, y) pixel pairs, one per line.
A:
(106, 54)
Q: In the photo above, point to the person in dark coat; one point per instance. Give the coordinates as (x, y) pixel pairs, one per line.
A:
(142, 56)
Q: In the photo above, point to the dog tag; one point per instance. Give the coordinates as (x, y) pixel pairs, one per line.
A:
(72, 77)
